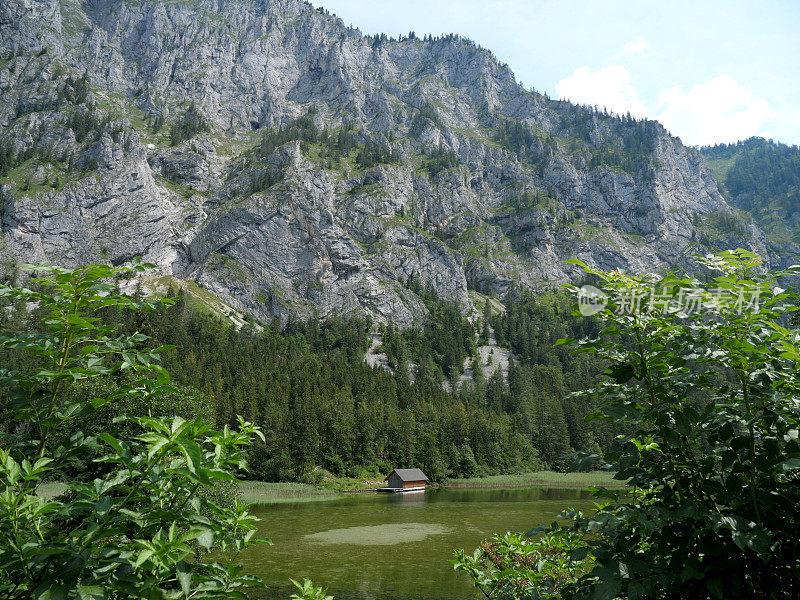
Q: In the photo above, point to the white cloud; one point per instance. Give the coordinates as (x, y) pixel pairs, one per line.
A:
(718, 110)
(637, 46)
(715, 111)
(784, 126)
(608, 87)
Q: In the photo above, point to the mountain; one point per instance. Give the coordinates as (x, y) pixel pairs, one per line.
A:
(290, 165)
(762, 177)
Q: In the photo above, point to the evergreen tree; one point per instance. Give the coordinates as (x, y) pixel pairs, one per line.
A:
(189, 125)
(468, 467)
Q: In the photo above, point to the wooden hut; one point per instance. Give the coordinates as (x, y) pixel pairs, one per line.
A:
(406, 480)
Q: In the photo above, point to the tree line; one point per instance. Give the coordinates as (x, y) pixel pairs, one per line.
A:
(307, 386)
(763, 173)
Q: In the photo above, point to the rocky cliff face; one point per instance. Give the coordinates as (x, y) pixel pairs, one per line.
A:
(292, 166)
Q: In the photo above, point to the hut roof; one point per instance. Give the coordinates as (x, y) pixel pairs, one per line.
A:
(409, 475)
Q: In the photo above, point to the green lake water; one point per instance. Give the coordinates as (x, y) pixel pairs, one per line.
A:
(393, 546)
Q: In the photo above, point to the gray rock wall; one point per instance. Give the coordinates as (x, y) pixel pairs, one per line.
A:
(326, 238)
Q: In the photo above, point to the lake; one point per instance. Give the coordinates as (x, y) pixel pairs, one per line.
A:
(394, 546)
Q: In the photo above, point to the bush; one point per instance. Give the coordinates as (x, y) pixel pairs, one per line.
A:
(83, 122)
(265, 179)
(426, 115)
(6, 157)
(313, 477)
(308, 591)
(513, 566)
(440, 159)
(139, 530)
(181, 401)
(726, 223)
(704, 383)
(76, 91)
(335, 464)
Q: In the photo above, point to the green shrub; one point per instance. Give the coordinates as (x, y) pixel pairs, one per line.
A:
(703, 382)
(313, 477)
(308, 591)
(6, 157)
(426, 115)
(708, 400)
(440, 159)
(83, 122)
(138, 530)
(726, 222)
(514, 566)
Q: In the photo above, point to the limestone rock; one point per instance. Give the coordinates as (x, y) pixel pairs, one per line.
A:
(494, 188)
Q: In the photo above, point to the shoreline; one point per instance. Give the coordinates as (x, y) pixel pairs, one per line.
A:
(540, 483)
(539, 479)
(271, 493)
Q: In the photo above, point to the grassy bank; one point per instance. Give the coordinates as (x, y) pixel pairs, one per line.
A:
(260, 492)
(545, 478)
(252, 492)
(352, 484)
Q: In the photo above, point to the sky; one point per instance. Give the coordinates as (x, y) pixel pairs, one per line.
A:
(711, 71)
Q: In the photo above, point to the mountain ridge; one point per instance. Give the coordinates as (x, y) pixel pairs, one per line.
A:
(294, 167)
(762, 178)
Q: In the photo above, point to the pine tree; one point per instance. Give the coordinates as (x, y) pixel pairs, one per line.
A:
(468, 467)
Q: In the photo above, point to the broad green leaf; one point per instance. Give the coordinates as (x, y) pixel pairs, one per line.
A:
(206, 539)
(91, 592)
(184, 577)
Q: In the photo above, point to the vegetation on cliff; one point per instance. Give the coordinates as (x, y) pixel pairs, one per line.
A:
(761, 177)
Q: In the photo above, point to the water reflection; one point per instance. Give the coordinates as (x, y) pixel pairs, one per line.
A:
(411, 497)
(518, 494)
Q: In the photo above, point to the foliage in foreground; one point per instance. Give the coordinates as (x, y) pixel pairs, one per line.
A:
(708, 395)
(141, 529)
(511, 566)
(308, 591)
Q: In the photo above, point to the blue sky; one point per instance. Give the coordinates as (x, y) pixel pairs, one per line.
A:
(710, 71)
